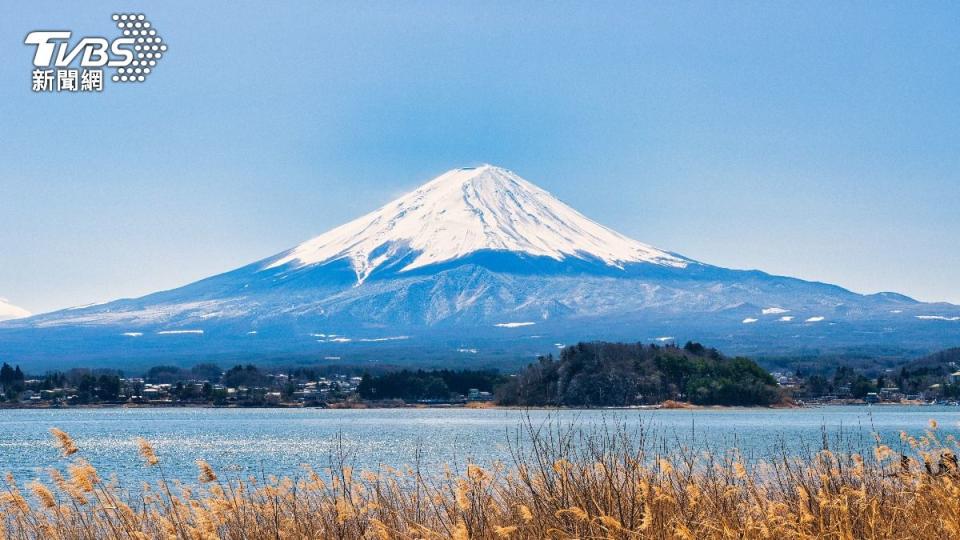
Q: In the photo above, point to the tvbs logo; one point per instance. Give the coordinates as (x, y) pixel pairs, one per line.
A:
(133, 55)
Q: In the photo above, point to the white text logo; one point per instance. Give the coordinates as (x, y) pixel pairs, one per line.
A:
(134, 56)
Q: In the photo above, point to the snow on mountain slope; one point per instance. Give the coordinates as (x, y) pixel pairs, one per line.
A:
(467, 210)
(9, 311)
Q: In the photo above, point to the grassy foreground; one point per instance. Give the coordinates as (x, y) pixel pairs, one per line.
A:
(560, 484)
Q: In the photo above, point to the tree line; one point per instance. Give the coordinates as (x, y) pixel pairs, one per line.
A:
(427, 385)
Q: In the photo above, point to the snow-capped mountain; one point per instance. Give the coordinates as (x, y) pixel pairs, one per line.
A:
(464, 211)
(476, 264)
(9, 311)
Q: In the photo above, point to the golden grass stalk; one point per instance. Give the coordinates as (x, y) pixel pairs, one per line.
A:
(64, 442)
(559, 485)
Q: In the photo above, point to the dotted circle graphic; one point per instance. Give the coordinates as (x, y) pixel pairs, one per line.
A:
(149, 47)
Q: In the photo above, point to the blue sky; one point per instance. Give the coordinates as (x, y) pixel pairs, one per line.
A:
(820, 140)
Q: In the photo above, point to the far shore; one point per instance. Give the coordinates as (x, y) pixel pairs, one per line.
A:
(470, 405)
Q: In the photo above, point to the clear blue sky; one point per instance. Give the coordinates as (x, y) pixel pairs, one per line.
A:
(820, 140)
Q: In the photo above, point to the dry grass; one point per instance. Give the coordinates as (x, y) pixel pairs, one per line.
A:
(671, 404)
(480, 405)
(559, 484)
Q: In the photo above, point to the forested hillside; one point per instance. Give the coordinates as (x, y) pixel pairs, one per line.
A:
(620, 374)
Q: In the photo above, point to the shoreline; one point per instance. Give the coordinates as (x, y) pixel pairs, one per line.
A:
(482, 405)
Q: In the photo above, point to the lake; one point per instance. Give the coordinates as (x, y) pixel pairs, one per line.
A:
(278, 441)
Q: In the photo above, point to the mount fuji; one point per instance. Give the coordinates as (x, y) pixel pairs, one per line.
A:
(476, 265)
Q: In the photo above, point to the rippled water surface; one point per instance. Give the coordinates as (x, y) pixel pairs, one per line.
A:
(242, 441)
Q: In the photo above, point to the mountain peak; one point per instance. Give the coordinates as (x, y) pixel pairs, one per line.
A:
(466, 210)
(478, 176)
(467, 175)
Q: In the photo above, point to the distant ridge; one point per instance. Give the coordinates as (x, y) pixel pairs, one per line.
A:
(9, 311)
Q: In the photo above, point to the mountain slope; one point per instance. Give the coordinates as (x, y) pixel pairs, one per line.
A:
(9, 311)
(464, 211)
(477, 264)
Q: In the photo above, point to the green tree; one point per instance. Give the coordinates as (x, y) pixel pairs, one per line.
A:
(108, 388)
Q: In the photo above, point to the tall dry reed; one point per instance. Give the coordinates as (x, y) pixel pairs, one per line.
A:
(560, 483)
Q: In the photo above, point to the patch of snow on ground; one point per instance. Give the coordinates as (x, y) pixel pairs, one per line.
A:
(749, 320)
(468, 351)
(665, 338)
(178, 332)
(132, 334)
(937, 318)
(514, 324)
(815, 319)
(786, 318)
(774, 311)
(390, 338)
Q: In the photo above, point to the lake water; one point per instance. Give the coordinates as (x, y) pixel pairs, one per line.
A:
(243, 441)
